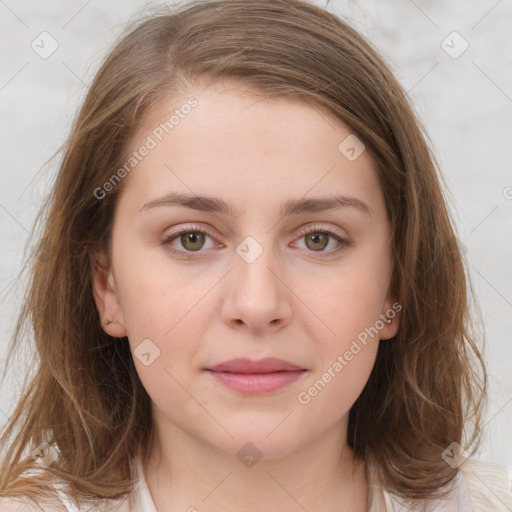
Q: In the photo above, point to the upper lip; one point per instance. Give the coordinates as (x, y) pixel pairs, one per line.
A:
(267, 365)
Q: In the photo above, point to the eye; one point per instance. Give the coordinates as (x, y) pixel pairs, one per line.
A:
(317, 238)
(191, 239)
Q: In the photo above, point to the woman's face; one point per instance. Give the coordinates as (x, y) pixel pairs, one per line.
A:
(197, 282)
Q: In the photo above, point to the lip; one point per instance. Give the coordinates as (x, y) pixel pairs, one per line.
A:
(267, 365)
(256, 377)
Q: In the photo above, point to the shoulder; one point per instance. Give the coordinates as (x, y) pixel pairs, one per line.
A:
(488, 484)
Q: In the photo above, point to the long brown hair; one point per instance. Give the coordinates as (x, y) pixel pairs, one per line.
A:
(428, 385)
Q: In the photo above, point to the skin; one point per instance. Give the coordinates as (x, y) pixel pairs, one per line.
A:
(290, 302)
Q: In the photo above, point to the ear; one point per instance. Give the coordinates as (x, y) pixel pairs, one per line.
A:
(106, 296)
(391, 313)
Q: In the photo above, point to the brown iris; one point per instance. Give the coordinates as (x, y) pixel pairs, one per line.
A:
(192, 241)
(321, 238)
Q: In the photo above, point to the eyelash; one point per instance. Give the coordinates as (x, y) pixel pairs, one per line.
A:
(306, 231)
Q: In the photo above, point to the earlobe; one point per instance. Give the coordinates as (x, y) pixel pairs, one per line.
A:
(106, 296)
(390, 318)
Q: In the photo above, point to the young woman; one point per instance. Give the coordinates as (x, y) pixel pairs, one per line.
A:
(248, 294)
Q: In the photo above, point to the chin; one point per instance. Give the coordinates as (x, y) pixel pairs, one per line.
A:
(259, 440)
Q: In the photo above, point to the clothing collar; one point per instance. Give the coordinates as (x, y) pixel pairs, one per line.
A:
(142, 501)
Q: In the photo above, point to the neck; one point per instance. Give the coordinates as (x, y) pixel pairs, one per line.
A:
(185, 474)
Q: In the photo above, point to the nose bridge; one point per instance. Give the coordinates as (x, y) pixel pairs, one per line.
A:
(257, 296)
(255, 266)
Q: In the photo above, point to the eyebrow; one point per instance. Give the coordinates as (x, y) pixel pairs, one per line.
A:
(291, 207)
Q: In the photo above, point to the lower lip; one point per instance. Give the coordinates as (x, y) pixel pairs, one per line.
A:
(255, 383)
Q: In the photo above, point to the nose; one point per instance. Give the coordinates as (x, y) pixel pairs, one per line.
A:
(257, 298)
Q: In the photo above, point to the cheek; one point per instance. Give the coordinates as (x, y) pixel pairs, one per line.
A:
(347, 304)
(346, 338)
(327, 397)
(164, 318)
(157, 295)
(332, 389)
(169, 322)
(172, 317)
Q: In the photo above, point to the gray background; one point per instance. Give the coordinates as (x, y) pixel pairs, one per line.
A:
(464, 102)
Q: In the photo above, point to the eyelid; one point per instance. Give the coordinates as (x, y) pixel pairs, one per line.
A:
(321, 228)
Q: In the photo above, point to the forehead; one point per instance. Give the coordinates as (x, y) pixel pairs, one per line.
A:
(243, 147)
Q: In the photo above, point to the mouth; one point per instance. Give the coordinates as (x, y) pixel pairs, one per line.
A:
(256, 377)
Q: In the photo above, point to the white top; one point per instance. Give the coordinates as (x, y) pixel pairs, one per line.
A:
(478, 487)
